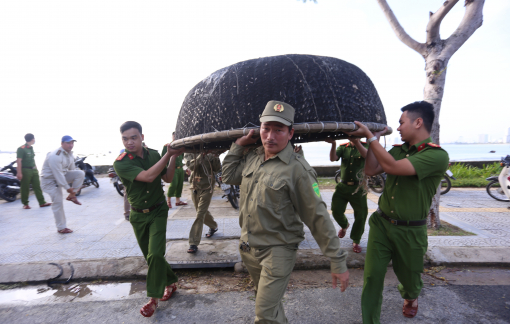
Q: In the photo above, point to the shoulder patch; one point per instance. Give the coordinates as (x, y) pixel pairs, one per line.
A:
(59, 151)
(397, 144)
(23, 146)
(315, 187)
(344, 144)
(121, 156)
(424, 145)
(433, 145)
(131, 156)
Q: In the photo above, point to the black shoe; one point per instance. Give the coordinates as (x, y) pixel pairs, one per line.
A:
(192, 249)
(211, 232)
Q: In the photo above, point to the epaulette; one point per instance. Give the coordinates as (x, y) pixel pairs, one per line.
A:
(23, 146)
(397, 144)
(345, 144)
(59, 151)
(423, 145)
(303, 162)
(121, 156)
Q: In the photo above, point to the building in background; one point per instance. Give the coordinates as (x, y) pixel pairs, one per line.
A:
(508, 136)
(483, 138)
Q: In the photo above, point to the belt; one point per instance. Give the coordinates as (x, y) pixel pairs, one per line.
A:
(30, 168)
(401, 222)
(148, 209)
(352, 183)
(178, 167)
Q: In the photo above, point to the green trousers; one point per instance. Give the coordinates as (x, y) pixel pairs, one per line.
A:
(344, 195)
(150, 232)
(270, 270)
(31, 176)
(175, 189)
(201, 200)
(405, 246)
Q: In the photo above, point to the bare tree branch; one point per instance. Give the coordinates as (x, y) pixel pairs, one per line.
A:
(436, 19)
(472, 20)
(399, 31)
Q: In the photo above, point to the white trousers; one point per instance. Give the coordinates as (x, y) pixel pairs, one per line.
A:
(503, 181)
(75, 179)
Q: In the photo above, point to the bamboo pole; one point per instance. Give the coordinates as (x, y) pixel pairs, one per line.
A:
(303, 132)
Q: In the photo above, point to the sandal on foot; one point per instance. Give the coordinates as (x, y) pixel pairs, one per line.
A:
(45, 205)
(343, 231)
(26, 207)
(211, 232)
(192, 249)
(74, 200)
(148, 309)
(181, 203)
(65, 231)
(169, 203)
(356, 248)
(169, 290)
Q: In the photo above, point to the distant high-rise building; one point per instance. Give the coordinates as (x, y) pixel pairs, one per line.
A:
(483, 138)
(508, 136)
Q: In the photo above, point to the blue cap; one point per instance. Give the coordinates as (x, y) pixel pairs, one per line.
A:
(67, 138)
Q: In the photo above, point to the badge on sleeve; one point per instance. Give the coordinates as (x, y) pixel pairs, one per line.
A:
(315, 187)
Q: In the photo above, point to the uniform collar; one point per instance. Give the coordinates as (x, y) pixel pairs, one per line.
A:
(27, 145)
(64, 151)
(284, 155)
(416, 146)
(145, 152)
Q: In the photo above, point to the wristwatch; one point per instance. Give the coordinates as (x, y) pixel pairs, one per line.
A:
(370, 140)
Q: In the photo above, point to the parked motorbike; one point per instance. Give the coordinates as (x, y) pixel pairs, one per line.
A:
(9, 184)
(90, 179)
(375, 183)
(494, 188)
(446, 184)
(117, 183)
(230, 191)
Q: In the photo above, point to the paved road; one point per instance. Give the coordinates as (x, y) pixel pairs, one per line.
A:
(444, 304)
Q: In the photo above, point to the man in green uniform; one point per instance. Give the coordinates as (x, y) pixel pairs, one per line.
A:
(398, 230)
(203, 167)
(279, 192)
(141, 170)
(27, 172)
(353, 161)
(175, 189)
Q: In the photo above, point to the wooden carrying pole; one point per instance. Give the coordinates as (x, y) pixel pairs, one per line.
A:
(328, 129)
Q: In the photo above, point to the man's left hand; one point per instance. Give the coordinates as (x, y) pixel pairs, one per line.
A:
(173, 151)
(344, 280)
(362, 131)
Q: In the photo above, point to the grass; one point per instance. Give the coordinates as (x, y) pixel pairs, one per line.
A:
(448, 229)
(326, 182)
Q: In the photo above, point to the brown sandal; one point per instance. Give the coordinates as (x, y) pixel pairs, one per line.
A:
(147, 310)
(343, 231)
(74, 200)
(45, 205)
(26, 207)
(356, 248)
(65, 231)
(181, 203)
(169, 290)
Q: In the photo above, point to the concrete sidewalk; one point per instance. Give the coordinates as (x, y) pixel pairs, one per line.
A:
(103, 244)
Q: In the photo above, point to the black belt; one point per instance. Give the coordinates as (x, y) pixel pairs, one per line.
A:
(401, 222)
(148, 209)
(29, 167)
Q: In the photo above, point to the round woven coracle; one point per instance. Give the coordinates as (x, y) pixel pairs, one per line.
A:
(327, 94)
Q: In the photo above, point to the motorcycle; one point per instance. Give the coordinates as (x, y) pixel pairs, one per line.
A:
(90, 179)
(375, 183)
(446, 184)
(494, 188)
(232, 192)
(117, 183)
(9, 184)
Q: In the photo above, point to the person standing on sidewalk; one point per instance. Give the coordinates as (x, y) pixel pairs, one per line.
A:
(346, 191)
(59, 171)
(141, 170)
(202, 168)
(279, 192)
(175, 189)
(27, 172)
(398, 230)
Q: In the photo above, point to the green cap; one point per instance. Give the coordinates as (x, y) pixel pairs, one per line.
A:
(278, 111)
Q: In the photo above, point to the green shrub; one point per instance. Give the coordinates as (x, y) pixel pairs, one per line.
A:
(461, 171)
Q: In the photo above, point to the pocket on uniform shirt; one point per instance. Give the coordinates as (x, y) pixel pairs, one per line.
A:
(271, 191)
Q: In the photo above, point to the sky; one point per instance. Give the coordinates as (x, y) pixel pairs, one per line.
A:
(82, 68)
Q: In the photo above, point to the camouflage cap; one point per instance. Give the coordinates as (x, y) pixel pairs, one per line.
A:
(278, 111)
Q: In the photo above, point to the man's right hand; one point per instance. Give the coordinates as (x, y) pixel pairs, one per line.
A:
(248, 139)
(171, 151)
(330, 140)
(19, 175)
(344, 280)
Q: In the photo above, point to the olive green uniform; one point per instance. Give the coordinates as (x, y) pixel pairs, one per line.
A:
(277, 196)
(203, 168)
(149, 226)
(175, 189)
(404, 198)
(352, 163)
(30, 174)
